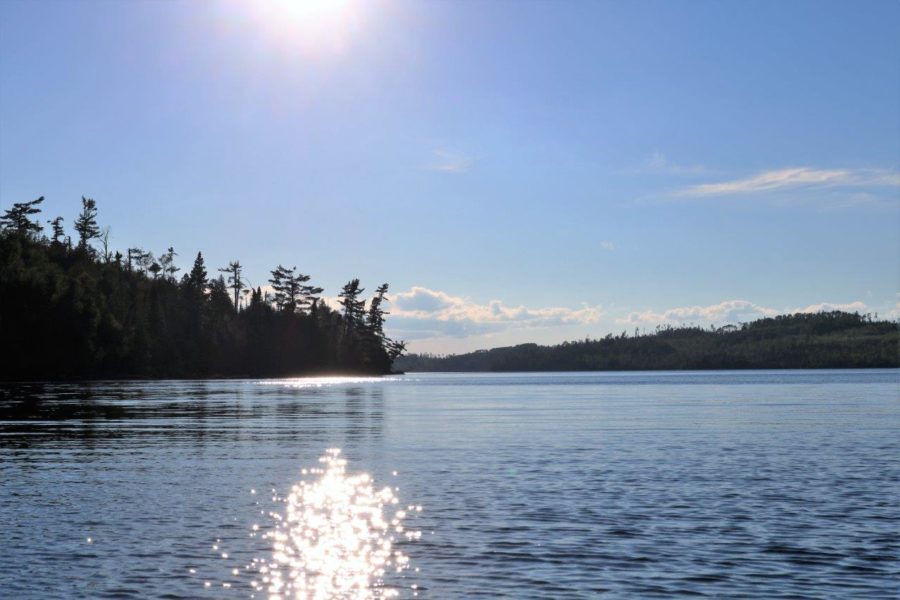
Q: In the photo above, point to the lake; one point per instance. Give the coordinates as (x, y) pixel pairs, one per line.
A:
(765, 484)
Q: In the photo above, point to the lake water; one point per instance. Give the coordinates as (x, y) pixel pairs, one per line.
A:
(739, 484)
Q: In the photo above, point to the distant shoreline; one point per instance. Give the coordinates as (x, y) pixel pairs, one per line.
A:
(713, 370)
(824, 340)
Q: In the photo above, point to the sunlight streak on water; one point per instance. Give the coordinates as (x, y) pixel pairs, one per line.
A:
(335, 538)
(317, 382)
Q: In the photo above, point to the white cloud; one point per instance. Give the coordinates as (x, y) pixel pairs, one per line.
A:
(894, 313)
(792, 178)
(607, 245)
(423, 313)
(450, 162)
(857, 306)
(729, 311)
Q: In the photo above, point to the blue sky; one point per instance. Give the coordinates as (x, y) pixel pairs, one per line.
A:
(518, 171)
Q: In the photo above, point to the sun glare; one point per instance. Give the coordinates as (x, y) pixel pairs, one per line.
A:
(336, 538)
(310, 26)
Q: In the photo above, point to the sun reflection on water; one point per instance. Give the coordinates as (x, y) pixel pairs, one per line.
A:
(335, 538)
(325, 381)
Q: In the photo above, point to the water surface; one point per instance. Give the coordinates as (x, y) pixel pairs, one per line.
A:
(747, 484)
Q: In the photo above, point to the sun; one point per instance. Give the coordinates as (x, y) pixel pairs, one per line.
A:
(310, 26)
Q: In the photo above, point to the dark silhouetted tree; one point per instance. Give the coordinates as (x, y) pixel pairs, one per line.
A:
(18, 218)
(104, 241)
(375, 317)
(197, 277)
(291, 292)
(354, 308)
(86, 223)
(235, 281)
(309, 296)
(167, 263)
(395, 349)
(59, 233)
(286, 287)
(135, 257)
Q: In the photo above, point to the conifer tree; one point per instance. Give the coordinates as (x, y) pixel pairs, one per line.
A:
(147, 261)
(197, 277)
(218, 295)
(18, 219)
(134, 257)
(354, 308)
(286, 287)
(235, 281)
(395, 349)
(291, 291)
(59, 234)
(86, 223)
(167, 263)
(375, 317)
(309, 296)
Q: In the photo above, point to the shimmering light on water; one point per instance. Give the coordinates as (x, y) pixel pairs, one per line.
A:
(755, 485)
(335, 538)
(317, 382)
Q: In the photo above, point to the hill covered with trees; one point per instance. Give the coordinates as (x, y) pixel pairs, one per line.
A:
(78, 310)
(799, 341)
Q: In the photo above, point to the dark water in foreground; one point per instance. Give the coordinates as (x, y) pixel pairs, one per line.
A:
(750, 484)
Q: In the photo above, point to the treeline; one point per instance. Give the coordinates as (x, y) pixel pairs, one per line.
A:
(799, 341)
(78, 310)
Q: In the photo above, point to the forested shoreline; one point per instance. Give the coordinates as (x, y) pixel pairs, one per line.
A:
(799, 341)
(76, 309)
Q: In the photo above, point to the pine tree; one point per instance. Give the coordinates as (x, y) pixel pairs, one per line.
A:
(146, 261)
(235, 281)
(17, 218)
(309, 296)
(134, 257)
(286, 288)
(395, 349)
(375, 317)
(86, 223)
(167, 263)
(197, 277)
(59, 234)
(354, 308)
(291, 292)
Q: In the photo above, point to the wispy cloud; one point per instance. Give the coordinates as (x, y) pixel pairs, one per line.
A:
(444, 161)
(660, 163)
(729, 311)
(793, 178)
(607, 245)
(421, 313)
